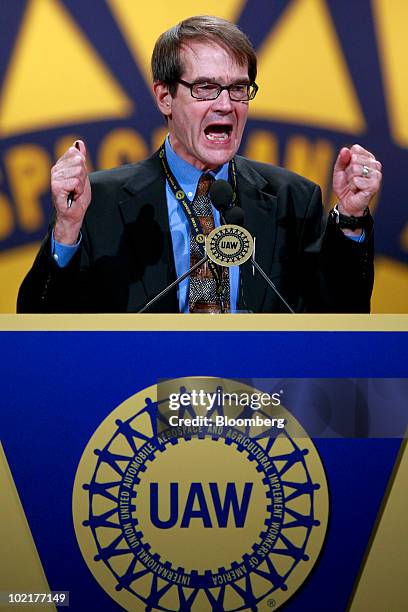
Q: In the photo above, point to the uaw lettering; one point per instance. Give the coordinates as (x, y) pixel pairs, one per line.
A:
(229, 245)
(197, 505)
(198, 508)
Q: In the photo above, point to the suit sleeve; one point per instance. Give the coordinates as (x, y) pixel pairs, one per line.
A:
(336, 274)
(47, 288)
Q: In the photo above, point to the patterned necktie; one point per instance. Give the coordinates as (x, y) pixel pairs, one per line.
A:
(205, 296)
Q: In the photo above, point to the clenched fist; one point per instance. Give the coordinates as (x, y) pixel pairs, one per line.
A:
(356, 179)
(70, 175)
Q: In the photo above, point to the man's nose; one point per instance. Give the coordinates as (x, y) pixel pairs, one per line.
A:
(223, 102)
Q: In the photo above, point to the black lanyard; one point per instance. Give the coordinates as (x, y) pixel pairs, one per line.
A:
(186, 204)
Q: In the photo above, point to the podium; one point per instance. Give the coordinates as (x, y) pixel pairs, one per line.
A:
(107, 501)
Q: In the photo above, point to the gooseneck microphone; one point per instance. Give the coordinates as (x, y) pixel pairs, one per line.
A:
(234, 216)
(222, 196)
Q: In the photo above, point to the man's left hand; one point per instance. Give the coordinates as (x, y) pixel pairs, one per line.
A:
(356, 179)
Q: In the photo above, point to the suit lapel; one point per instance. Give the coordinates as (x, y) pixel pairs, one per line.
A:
(145, 217)
(260, 207)
(147, 231)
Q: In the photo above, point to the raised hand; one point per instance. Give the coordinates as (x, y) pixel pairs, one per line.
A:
(70, 175)
(356, 179)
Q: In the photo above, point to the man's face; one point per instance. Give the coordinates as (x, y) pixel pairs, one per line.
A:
(206, 133)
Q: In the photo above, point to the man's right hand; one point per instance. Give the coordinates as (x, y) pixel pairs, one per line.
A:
(70, 174)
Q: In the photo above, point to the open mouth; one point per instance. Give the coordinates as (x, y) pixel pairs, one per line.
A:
(218, 132)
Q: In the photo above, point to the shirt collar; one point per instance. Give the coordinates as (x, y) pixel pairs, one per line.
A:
(186, 174)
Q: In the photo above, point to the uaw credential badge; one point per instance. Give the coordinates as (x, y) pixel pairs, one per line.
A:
(200, 494)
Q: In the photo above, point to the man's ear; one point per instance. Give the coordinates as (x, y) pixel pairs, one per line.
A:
(163, 97)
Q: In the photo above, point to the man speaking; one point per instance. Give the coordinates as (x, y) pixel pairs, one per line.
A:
(119, 237)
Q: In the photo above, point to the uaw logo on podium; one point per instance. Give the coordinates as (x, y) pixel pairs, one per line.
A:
(200, 494)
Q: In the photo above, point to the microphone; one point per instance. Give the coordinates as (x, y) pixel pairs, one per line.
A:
(234, 216)
(221, 195)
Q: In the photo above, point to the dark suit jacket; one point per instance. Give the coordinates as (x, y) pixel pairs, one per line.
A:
(126, 254)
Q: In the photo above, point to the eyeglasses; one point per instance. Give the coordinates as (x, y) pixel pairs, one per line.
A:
(238, 92)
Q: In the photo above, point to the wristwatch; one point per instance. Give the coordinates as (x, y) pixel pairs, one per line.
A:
(349, 221)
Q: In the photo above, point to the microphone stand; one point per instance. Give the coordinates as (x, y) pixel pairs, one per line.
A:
(200, 263)
(270, 283)
(173, 284)
(259, 269)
